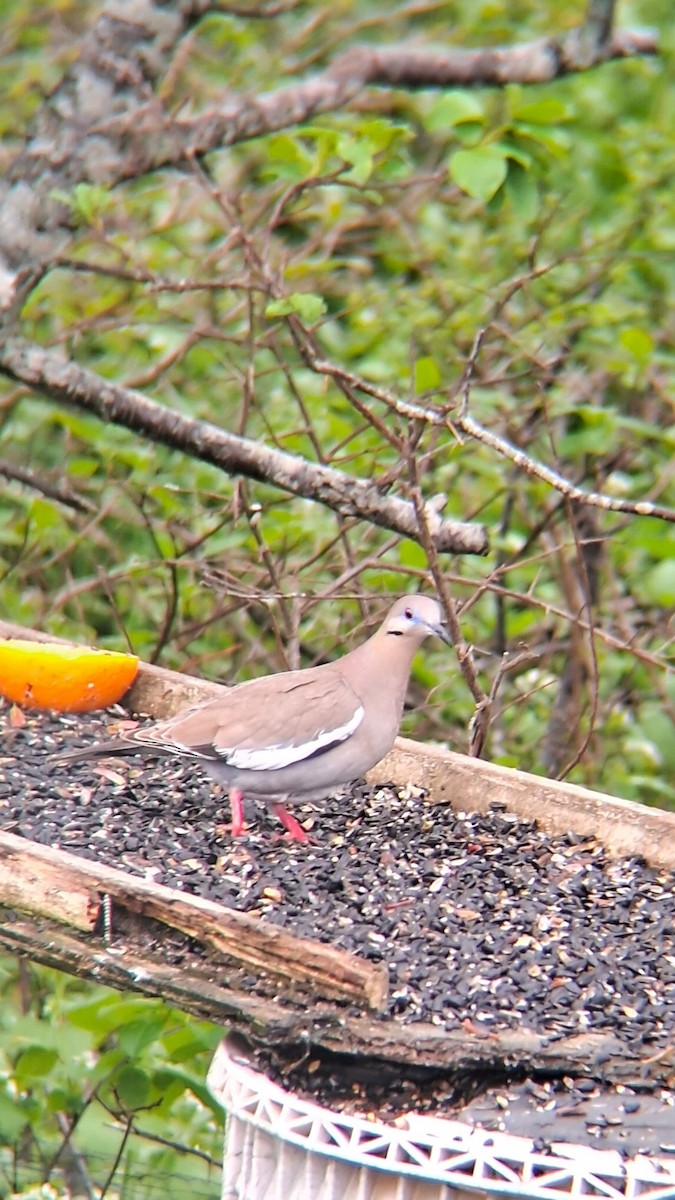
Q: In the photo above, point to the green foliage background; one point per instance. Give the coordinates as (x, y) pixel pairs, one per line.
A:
(126, 1072)
(398, 229)
(543, 213)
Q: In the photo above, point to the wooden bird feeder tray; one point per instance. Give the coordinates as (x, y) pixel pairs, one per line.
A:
(53, 909)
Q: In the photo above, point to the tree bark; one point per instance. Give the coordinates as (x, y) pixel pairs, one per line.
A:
(106, 123)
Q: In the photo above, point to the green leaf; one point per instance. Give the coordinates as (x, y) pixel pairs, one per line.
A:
(357, 152)
(34, 1063)
(657, 724)
(657, 585)
(45, 517)
(91, 201)
(427, 374)
(479, 172)
(132, 1086)
(638, 343)
(13, 1120)
(101, 1016)
(184, 1043)
(516, 154)
(523, 193)
(543, 112)
(556, 141)
(411, 555)
(304, 304)
(59, 1100)
(592, 431)
(454, 108)
(82, 467)
(87, 202)
(175, 1081)
(134, 1037)
(288, 158)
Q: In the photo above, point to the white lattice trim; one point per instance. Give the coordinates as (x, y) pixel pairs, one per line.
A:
(449, 1153)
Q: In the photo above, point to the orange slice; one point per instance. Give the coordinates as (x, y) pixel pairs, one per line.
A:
(64, 678)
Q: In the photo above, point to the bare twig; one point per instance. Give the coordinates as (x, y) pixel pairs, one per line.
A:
(59, 492)
(464, 422)
(73, 1160)
(407, 409)
(128, 1130)
(362, 66)
(596, 30)
(172, 587)
(263, 12)
(180, 1147)
(502, 446)
(479, 724)
(480, 586)
(530, 62)
(579, 585)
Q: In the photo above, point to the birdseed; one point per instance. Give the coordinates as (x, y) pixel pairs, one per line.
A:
(482, 919)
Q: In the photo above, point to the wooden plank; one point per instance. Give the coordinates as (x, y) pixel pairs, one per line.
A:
(37, 883)
(470, 784)
(288, 1030)
(59, 885)
(129, 969)
(598, 1055)
(160, 693)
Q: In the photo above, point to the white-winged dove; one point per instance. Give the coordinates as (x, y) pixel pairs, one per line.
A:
(300, 733)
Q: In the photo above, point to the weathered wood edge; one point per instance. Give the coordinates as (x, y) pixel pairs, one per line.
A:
(57, 884)
(289, 1031)
(193, 990)
(624, 827)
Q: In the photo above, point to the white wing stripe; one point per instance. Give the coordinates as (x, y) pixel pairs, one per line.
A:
(272, 758)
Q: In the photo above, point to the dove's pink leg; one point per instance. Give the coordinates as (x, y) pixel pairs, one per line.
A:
(295, 830)
(237, 810)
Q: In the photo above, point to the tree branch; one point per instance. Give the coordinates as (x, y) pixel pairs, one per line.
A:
(538, 61)
(248, 117)
(502, 446)
(51, 375)
(105, 122)
(598, 24)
